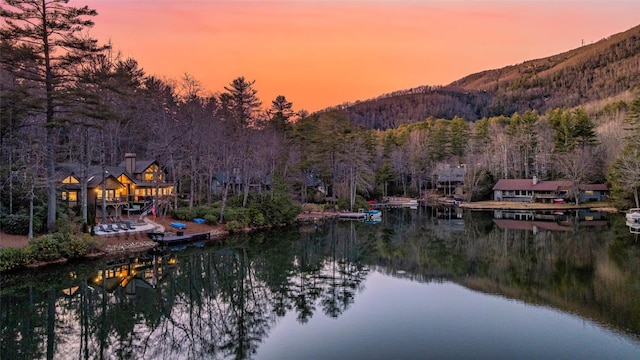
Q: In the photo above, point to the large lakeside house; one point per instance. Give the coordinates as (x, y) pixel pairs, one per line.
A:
(546, 191)
(128, 187)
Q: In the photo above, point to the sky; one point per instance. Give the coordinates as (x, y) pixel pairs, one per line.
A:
(321, 53)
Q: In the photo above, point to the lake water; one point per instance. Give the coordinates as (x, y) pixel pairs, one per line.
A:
(420, 284)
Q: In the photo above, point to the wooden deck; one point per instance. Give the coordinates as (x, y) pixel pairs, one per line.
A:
(180, 239)
(352, 215)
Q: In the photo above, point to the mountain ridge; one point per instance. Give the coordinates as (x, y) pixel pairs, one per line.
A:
(593, 72)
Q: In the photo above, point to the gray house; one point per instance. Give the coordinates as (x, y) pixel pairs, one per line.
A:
(546, 191)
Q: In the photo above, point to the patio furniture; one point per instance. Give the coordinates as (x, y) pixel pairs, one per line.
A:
(178, 225)
(102, 228)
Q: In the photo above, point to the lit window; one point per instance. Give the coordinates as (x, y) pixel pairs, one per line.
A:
(124, 179)
(70, 180)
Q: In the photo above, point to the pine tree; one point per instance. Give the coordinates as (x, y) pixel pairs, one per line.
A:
(42, 44)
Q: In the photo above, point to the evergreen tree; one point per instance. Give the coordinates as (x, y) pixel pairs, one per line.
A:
(633, 122)
(281, 113)
(245, 102)
(572, 128)
(459, 136)
(43, 44)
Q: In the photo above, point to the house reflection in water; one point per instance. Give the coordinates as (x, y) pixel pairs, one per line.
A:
(547, 220)
(132, 273)
(450, 217)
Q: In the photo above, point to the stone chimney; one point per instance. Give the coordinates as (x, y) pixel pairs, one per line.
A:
(130, 162)
(535, 179)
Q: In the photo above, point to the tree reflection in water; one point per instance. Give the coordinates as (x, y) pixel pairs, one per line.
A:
(222, 301)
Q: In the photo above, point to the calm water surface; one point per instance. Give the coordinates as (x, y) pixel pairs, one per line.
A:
(426, 283)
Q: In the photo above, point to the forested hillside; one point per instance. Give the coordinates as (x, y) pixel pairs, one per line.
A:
(592, 72)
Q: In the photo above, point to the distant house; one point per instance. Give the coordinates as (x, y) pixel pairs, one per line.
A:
(450, 180)
(546, 191)
(237, 183)
(314, 182)
(127, 187)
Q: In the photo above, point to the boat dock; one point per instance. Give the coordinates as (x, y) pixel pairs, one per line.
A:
(352, 215)
(361, 215)
(179, 239)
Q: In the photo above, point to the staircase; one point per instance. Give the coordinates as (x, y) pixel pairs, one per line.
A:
(146, 209)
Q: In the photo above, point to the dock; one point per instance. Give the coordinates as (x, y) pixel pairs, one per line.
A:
(361, 215)
(352, 215)
(179, 239)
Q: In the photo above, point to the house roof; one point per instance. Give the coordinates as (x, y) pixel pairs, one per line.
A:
(94, 174)
(594, 187)
(543, 185)
(141, 165)
(527, 184)
(451, 174)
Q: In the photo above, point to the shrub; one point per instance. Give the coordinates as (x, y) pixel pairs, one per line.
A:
(45, 248)
(63, 225)
(211, 219)
(16, 224)
(74, 247)
(231, 214)
(361, 203)
(202, 211)
(234, 226)
(256, 218)
(184, 214)
(11, 258)
(308, 207)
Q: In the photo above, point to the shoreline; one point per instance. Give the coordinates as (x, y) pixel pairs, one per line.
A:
(127, 243)
(513, 205)
(136, 242)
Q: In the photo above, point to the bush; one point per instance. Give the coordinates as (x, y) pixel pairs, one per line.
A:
(63, 224)
(74, 247)
(256, 218)
(211, 219)
(11, 258)
(231, 214)
(184, 214)
(233, 226)
(45, 248)
(360, 203)
(16, 224)
(202, 211)
(308, 208)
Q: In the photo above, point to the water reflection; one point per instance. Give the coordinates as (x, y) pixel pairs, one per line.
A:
(224, 302)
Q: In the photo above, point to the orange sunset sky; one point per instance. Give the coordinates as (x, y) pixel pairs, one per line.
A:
(323, 53)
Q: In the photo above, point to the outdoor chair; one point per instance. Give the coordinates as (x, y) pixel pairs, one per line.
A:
(128, 225)
(120, 226)
(111, 228)
(102, 228)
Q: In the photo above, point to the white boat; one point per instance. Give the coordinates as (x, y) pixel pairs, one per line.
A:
(633, 220)
(373, 214)
(633, 214)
